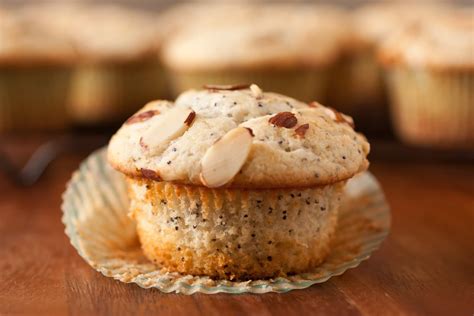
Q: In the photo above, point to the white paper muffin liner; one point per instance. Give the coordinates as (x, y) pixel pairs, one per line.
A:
(432, 108)
(95, 207)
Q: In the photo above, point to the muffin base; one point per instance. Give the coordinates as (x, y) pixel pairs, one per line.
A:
(433, 108)
(34, 97)
(109, 93)
(303, 84)
(234, 234)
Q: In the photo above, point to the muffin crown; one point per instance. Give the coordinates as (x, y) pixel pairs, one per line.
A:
(374, 22)
(23, 41)
(100, 33)
(239, 137)
(258, 36)
(111, 33)
(443, 41)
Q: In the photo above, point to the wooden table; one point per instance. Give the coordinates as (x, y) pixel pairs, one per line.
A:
(425, 267)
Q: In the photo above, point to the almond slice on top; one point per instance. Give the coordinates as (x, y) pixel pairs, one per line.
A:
(284, 119)
(168, 126)
(229, 87)
(256, 91)
(223, 160)
(141, 117)
(338, 116)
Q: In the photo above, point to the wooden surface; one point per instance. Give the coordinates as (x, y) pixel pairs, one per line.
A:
(425, 267)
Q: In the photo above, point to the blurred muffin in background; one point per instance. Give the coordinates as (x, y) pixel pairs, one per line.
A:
(357, 86)
(290, 50)
(118, 66)
(36, 67)
(430, 69)
(203, 13)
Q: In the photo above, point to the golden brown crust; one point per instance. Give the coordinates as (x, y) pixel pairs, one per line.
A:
(233, 266)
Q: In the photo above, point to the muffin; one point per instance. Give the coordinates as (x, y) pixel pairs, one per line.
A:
(119, 67)
(293, 57)
(234, 183)
(36, 66)
(430, 69)
(357, 85)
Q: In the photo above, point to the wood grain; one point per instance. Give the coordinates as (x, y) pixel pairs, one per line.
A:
(425, 267)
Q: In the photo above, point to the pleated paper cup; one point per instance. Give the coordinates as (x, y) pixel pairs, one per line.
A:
(433, 108)
(95, 208)
(234, 233)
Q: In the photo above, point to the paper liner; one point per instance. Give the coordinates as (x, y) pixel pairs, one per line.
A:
(95, 207)
(432, 108)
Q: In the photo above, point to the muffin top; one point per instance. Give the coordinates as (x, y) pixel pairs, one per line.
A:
(444, 41)
(203, 14)
(374, 22)
(239, 137)
(113, 33)
(285, 36)
(25, 42)
(101, 32)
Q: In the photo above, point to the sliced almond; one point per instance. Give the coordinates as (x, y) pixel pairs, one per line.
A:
(189, 120)
(256, 91)
(284, 119)
(150, 174)
(347, 119)
(223, 160)
(339, 117)
(301, 130)
(227, 87)
(168, 126)
(330, 112)
(314, 104)
(142, 117)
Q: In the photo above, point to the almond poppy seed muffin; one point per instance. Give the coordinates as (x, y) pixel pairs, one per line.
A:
(358, 86)
(293, 57)
(117, 68)
(430, 71)
(235, 183)
(36, 67)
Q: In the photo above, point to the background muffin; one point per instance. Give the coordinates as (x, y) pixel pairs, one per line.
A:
(431, 78)
(217, 187)
(358, 86)
(36, 66)
(289, 50)
(119, 66)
